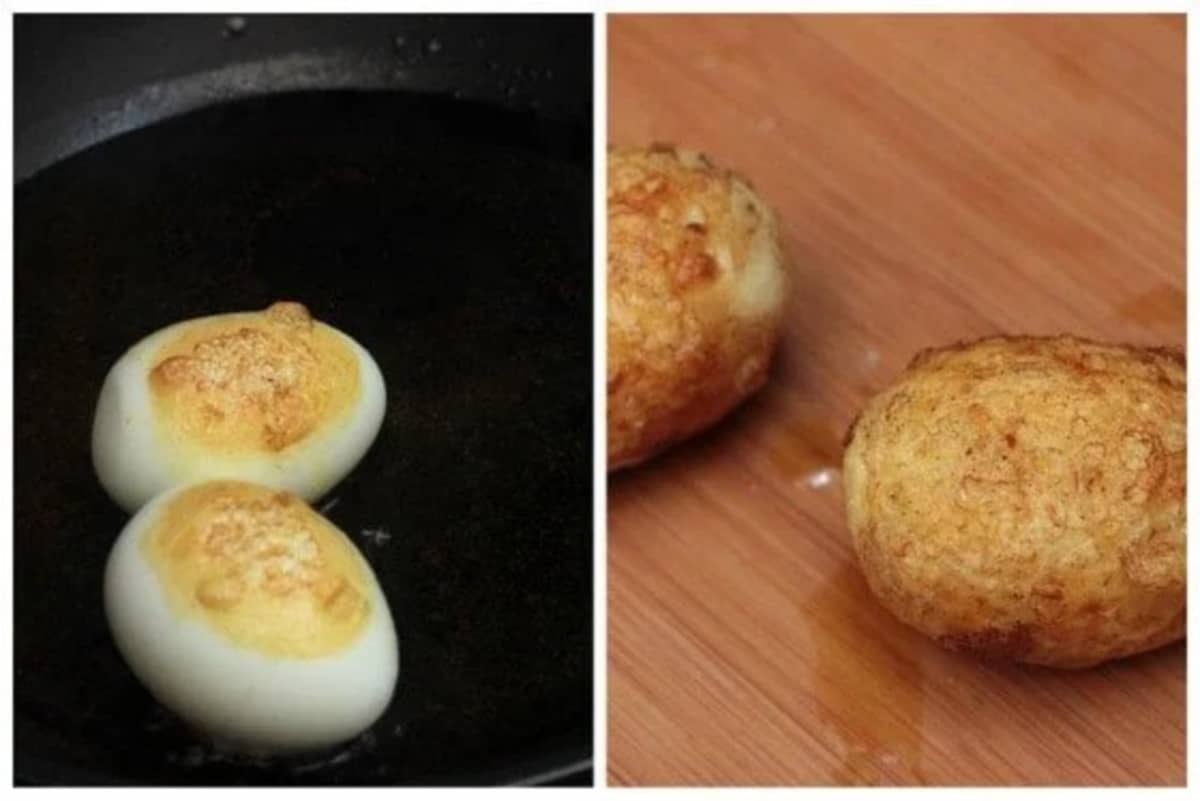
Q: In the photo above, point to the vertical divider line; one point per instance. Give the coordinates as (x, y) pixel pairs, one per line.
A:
(600, 395)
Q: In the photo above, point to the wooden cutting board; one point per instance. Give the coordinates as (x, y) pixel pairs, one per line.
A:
(939, 178)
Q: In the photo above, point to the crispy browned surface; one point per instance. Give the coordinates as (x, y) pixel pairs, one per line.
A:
(260, 381)
(695, 289)
(1023, 498)
(260, 568)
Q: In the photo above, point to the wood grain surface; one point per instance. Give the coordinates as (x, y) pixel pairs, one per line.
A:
(939, 178)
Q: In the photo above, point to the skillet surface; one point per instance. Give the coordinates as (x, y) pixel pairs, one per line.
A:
(451, 240)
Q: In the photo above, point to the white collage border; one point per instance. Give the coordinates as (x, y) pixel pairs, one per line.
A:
(599, 8)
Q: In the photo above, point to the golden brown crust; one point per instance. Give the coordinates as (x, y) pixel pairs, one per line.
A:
(1024, 497)
(260, 381)
(695, 292)
(260, 567)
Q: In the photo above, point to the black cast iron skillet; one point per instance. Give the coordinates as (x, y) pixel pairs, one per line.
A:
(451, 236)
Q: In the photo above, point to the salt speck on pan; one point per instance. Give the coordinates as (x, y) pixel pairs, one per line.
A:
(820, 479)
(235, 26)
(329, 504)
(376, 536)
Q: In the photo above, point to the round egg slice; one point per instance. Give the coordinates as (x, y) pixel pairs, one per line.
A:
(252, 617)
(274, 397)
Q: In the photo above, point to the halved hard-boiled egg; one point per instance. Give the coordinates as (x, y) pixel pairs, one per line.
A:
(274, 397)
(252, 617)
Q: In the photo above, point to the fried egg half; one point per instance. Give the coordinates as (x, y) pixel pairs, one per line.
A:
(273, 397)
(252, 617)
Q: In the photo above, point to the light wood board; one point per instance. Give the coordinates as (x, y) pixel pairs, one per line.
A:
(939, 179)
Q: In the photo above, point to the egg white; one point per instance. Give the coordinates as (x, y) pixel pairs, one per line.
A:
(134, 462)
(242, 698)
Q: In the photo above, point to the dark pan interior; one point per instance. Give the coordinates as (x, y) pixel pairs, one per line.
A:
(454, 242)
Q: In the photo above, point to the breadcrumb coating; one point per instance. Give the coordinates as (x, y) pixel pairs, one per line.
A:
(1024, 498)
(696, 284)
(253, 382)
(261, 567)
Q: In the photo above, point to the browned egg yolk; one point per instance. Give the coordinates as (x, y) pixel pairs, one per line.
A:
(261, 568)
(253, 382)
